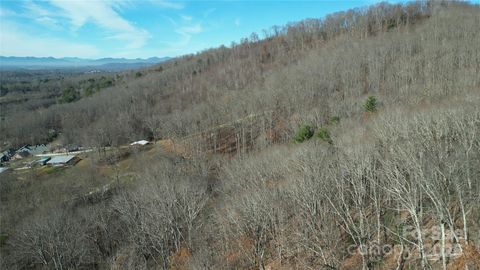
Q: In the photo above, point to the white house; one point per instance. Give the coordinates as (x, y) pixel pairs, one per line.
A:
(63, 160)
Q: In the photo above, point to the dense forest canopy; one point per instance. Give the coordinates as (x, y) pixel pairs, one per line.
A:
(221, 85)
(314, 145)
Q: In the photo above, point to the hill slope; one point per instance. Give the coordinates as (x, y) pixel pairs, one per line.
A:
(394, 184)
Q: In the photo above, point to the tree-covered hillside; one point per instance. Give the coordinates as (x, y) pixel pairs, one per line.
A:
(348, 142)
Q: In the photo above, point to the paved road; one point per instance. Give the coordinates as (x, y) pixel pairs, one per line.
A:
(64, 153)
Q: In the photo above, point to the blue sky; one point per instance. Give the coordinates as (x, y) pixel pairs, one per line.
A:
(143, 28)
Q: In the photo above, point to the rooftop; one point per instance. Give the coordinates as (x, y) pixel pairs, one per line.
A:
(141, 142)
(61, 159)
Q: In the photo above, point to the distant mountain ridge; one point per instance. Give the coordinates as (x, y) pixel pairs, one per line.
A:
(30, 62)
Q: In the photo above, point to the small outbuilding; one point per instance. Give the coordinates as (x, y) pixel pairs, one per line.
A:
(140, 143)
(63, 160)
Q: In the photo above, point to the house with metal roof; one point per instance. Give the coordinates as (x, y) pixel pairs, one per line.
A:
(21, 155)
(28, 150)
(38, 149)
(63, 160)
(33, 149)
(7, 155)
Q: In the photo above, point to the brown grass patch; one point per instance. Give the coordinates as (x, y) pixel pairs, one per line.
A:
(470, 259)
(179, 259)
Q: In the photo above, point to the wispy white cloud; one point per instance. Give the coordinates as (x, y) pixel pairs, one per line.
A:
(92, 28)
(41, 16)
(186, 18)
(34, 10)
(237, 22)
(5, 12)
(186, 27)
(189, 29)
(49, 22)
(168, 4)
(105, 15)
